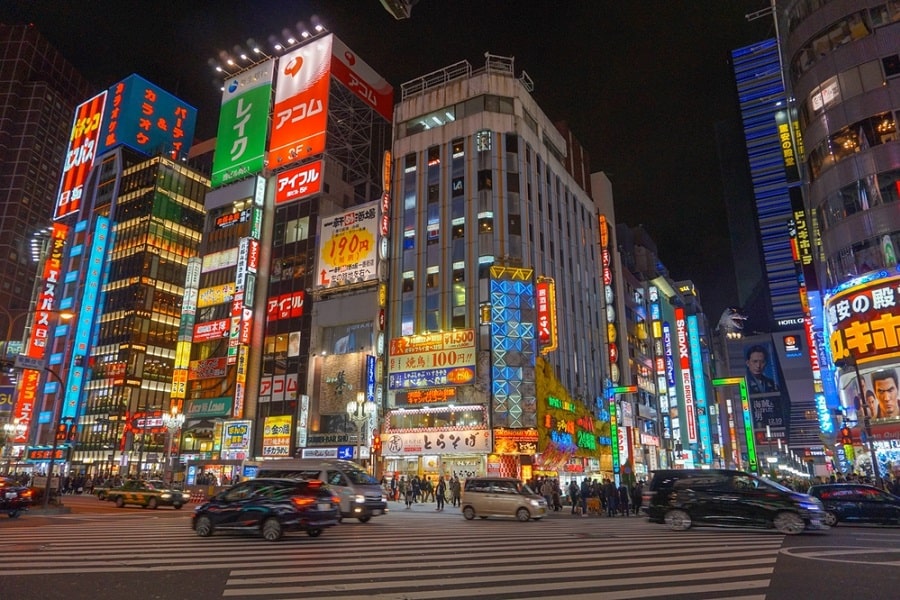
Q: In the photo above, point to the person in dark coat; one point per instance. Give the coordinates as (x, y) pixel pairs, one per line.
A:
(623, 499)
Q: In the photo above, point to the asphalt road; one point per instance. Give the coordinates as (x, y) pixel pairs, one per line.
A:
(98, 551)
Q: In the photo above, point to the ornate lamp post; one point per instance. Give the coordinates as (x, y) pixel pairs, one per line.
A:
(359, 412)
(173, 421)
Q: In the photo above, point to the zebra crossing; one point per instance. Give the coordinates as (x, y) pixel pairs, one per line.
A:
(415, 556)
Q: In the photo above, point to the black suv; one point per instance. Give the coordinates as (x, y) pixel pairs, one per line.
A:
(857, 503)
(269, 507)
(682, 497)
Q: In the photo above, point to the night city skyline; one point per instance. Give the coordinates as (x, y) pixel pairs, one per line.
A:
(650, 94)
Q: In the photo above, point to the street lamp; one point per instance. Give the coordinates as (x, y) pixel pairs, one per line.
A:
(173, 421)
(359, 412)
(11, 431)
(850, 361)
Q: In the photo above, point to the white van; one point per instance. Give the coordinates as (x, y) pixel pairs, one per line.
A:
(361, 495)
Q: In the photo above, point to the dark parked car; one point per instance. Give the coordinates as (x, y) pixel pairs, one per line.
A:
(269, 506)
(857, 503)
(685, 497)
(14, 497)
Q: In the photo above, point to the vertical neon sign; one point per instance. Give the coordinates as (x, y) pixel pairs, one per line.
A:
(748, 420)
(614, 434)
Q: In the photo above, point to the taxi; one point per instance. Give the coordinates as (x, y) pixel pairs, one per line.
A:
(149, 494)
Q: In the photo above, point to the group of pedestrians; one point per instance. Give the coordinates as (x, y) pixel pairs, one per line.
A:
(416, 490)
(594, 495)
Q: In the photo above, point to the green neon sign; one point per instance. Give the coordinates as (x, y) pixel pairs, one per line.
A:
(748, 420)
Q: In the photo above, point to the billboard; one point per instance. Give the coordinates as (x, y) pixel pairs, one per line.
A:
(862, 321)
(362, 80)
(449, 442)
(276, 438)
(83, 142)
(298, 183)
(687, 386)
(545, 300)
(148, 119)
(100, 242)
(347, 249)
(243, 119)
(300, 114)
(432, 360)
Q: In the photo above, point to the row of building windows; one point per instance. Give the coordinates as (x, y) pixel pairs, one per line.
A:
(848, 29)
(455, 112)
(864, 256)
(856, 137)
(863, 78)
(861, 195)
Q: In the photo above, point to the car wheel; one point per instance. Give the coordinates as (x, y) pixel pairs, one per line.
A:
(678, 520)
(13, 514)
(272, 530)
(523, 515)
(789, 523)
(469, 513)
(830, 519)
(101, 496)
(178, 506)
(152, 503)
(120, 501)
(203, 526)
(314, 532)
(365, 519)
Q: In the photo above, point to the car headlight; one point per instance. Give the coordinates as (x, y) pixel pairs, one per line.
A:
(809, 505)
(535, 502)
(166, 496)
(359, 499)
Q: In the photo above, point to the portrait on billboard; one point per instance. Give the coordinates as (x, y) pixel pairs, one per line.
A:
(761, 375)
(879, 396)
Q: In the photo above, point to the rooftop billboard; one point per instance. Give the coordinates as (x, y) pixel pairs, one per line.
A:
(147, 118)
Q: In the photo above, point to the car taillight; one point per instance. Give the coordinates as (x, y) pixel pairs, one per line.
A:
(335, 500)
(302, 501)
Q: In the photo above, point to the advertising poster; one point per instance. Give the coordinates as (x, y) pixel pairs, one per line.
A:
(148, 119)
(83, 142)
(347, 249)
(276, 439)
(767, 400)
(243, 119)
(300, 114)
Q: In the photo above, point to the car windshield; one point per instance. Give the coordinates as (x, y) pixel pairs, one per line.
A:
(527, 490)
(358, 476)
(774, 484)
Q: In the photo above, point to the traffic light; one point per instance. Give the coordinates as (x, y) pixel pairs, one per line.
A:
(376, 443)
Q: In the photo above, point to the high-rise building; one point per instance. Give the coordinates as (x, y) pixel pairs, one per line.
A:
(287, 327)
(495, 269)
(764, 112)
(39, 89)
(126, 221)
(843, 69)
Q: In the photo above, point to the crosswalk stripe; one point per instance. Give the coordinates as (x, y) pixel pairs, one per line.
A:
(417, 558)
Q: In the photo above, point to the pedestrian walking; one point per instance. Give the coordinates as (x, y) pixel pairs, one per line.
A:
(439, 493)
(455, 489)
(573, 495)
(637, 497)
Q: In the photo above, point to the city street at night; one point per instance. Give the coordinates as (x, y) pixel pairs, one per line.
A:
(100, 551)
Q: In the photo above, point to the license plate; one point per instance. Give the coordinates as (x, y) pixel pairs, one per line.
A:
(324, 506)
(10, 494)
(376, 512)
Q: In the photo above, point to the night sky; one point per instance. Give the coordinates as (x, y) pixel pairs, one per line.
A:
(641, 83)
